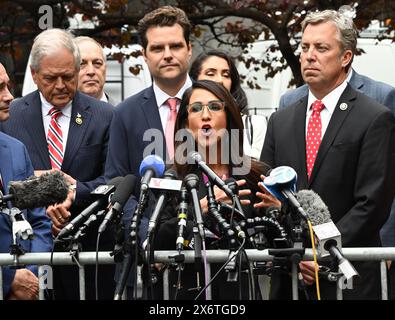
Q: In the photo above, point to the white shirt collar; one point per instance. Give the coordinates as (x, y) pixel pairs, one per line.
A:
(349, 75)
(161, 96)
(46, 106)
(104, 97)
(331, 99)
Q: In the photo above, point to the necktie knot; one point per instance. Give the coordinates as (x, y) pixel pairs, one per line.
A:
(55, 113)
(172, 103)
(317, 106)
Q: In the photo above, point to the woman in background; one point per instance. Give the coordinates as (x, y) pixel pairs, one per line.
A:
(219, 67)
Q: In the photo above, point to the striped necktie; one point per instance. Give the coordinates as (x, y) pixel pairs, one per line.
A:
(55, 139)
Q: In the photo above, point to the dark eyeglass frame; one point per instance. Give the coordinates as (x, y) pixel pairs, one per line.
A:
(211, 105)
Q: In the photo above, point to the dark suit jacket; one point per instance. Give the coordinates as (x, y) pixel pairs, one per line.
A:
(15, 165)
(354, 168)
(84, 160)
(378, 91)
(136, 131)
(132, 119)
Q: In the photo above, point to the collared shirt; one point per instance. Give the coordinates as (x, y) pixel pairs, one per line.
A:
(103, 97)
(330, 101)
(161, 98)
(63, 120)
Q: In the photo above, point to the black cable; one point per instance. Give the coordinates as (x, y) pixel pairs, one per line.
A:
(224, 265)
(51, 265)
(240, 280)
(178, 281)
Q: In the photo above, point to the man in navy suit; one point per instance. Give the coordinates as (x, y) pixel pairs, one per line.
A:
(75, 141)
(141, 121)
(166, 49)
(350, 164)
(384, 94)
(15, 165)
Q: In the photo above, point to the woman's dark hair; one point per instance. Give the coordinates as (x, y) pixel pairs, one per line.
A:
(236, 90)
(233, 121)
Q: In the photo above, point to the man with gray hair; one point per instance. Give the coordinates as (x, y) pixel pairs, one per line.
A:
(92, 75)
(341, 144)
(64, 129)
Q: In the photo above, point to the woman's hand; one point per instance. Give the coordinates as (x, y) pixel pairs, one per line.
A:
(267, 199)
(220, 196)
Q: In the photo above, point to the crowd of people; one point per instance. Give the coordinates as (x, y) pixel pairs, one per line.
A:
(336, 131)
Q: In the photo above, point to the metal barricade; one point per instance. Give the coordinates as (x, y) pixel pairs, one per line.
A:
(213, 256)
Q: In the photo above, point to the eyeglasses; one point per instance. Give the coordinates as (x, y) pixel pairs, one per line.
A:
(215, 106)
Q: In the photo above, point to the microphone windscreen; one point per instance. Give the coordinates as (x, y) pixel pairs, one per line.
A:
(194, 157)
(171, 174)
(152, 162)
(314, 206)
(47, 189)
(124, 190)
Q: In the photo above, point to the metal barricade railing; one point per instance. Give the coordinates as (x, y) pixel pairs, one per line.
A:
(213, 256)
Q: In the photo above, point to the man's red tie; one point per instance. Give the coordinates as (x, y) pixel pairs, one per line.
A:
(313, 137)
(171, 121)
(55, 139)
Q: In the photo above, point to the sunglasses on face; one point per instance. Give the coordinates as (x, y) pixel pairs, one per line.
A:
(197, 107)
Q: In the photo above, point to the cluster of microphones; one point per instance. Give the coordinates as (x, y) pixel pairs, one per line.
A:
(272, 230)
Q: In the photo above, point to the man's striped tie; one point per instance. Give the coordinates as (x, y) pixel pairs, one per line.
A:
(55, 139)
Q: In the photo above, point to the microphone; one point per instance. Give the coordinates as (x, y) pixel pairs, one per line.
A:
(281, 183)
(212, 176)
(170, 174)
(329, 237)
(192, 183)
(182, 218)
(151, 167)
(47, 189)
(223, 225)
(118, 200)
(103, 193)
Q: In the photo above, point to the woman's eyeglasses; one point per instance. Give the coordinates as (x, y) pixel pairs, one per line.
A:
(197, 107)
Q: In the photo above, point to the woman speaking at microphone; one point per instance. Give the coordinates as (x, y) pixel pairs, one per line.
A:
(210, 123)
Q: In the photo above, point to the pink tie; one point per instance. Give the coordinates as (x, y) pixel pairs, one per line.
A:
(313, 137)
(171, 121)
(55, 139)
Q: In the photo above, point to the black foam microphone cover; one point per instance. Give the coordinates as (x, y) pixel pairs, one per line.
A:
(48, 189)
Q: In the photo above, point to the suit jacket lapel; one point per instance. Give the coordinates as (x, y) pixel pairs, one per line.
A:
(33, 120)
(5, 168)
(300, 136)
(5, 164)
(334, 126)
(151, 113)
(150, 110)
(77, 131)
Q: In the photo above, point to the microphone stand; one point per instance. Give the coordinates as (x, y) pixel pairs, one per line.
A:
(182, 222)
(131, 248)
(192, 182)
